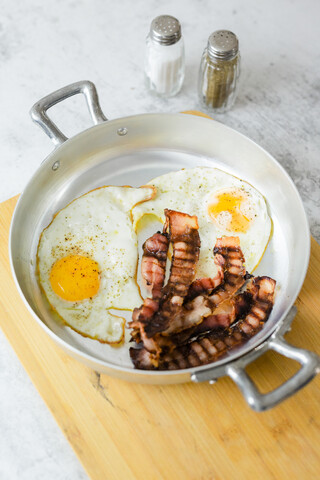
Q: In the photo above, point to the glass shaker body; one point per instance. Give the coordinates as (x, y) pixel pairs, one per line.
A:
(164, 64)
(164, 67)
(218, 81)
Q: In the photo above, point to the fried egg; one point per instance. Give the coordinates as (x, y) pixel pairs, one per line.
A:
(87, 261)
(224, 205)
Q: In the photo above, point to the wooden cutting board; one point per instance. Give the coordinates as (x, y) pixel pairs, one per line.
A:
(128, 431)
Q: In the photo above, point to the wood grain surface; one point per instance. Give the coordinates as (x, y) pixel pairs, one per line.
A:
(128, 431)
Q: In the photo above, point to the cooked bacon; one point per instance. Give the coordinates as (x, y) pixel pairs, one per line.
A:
(143, 359)
(225, 314)
(241, 304)
(143, 315)
(228, 312)
(153, 264)
(190, 323)
(186, 318)
(262, 291)
(206, 284)
(153, 269)
(234, 271)
(230, 262)
(145, 312)
(184, 236)
(210, 347)
(140, 318)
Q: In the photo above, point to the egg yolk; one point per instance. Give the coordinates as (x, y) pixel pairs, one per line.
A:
(231, 210)
(75, 278)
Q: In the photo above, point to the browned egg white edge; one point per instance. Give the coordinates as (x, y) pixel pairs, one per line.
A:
(231, 175)
(121, 341)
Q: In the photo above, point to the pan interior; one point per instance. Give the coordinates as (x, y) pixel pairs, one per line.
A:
(136, 165)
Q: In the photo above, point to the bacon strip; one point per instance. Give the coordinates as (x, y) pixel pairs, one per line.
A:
(184, 236)
(224, 315)
(202, 285)
(207, 285)
(153, 264)
(153, 269)
(210, 347)
(230, 261)
(234, 271)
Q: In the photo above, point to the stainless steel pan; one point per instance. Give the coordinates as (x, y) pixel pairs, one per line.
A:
(131, 151)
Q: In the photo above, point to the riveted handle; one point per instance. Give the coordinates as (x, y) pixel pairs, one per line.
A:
(39, 110)
(310, 366)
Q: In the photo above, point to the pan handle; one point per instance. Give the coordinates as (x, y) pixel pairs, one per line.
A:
(39, 110)
(310, 366)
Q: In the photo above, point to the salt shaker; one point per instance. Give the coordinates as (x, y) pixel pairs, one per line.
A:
(219, 71)
(165, 64)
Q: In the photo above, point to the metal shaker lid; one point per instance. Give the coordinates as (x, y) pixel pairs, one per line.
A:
(165, 30)
(223, 44)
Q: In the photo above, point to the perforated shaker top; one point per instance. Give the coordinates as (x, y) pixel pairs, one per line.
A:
(165, 30)
(223, 44)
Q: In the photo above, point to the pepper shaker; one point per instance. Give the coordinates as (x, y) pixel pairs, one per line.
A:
(219, 71)
(165, 63)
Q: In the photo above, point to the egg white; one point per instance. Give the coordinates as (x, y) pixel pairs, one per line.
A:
(96, 225)
(191, 191)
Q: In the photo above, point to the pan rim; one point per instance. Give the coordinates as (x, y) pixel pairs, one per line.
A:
(223, 361)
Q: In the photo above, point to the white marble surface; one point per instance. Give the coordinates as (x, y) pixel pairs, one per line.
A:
(46, 45)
